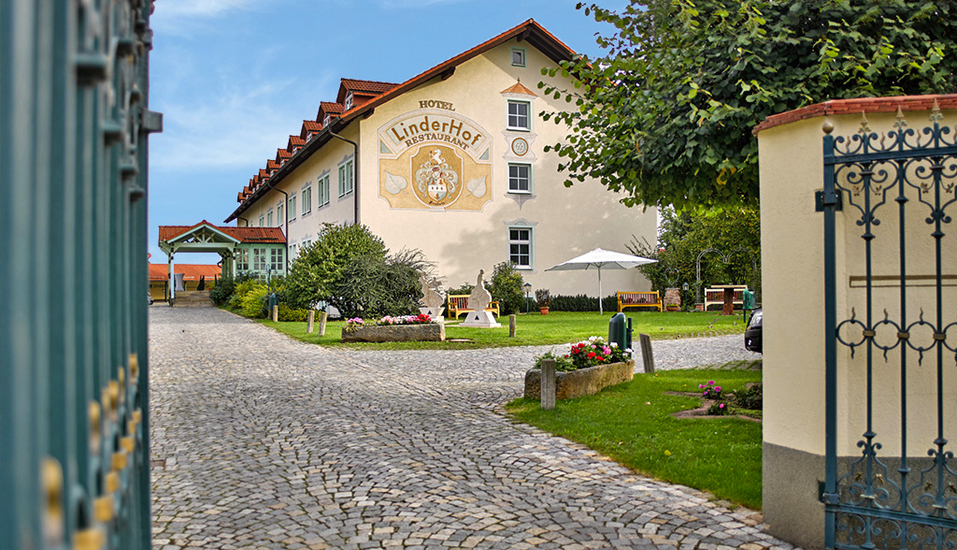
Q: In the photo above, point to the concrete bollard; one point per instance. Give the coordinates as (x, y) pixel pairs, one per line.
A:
(511, 326)
(547, 387)
(309, 321)
(275, 314)
(323, 316)
(646, 356)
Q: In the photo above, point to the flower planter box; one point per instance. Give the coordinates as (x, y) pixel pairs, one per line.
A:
(580, 382)
(429, 332)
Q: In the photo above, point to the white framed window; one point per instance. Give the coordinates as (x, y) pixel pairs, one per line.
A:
(518, 115)
(269, 218)
(279, 214)
(349, 101)
(346, 181)
(326, 120)
(242, 259)
(518, 57)
(292, 207)
(519, 178)
(520, 247)
(307, 198)
(259, 259)
(293, 251)
(276, 259)
(262, 220)
(323, 191)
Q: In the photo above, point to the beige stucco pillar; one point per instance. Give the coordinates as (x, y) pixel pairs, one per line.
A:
(791, 170)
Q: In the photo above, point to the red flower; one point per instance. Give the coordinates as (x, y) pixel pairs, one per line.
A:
(591, 355)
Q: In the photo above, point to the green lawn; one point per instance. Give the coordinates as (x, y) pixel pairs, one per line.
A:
(632, 424)
(536, 329)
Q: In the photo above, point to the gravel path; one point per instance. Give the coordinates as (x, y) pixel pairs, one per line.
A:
(260, 441)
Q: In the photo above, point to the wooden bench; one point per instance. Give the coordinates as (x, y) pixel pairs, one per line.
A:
(639, 299)
(459, 304)
(715, 296)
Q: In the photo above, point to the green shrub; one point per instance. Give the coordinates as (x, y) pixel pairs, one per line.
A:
(582, 302)
(292, 315)
(506, 287)
(375, 287)
(254, 302)
(222, 290)
(749, 398)
(317, 273)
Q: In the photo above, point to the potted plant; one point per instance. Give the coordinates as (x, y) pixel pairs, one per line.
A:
(543, 298)
(672, 307)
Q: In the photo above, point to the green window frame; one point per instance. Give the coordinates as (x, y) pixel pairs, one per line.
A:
(323, 190)
(518, 57)
(519, 115)
(307, 198)
(346, 178)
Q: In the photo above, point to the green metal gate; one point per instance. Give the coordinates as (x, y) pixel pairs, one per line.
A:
(890, 336)
(74, 123)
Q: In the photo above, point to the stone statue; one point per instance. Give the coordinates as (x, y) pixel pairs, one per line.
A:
(478, 301)
(480, 297)
(431, 302)
(430, 295)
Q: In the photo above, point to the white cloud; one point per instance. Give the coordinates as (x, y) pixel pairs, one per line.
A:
(171, 9)
(233, 127)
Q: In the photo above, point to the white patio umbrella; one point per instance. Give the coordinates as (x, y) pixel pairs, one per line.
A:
(598, 259)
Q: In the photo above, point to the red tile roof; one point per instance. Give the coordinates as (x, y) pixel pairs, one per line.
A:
(191, 272)
(366, 86)
(242, 234)
(858, 106)
(519, 88)
(328, 108)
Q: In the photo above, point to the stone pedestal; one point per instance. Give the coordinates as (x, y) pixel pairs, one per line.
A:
(672, 296)
(434, 312)
(480, 319)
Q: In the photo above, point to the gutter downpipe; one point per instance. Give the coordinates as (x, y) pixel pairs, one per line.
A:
(285, 210)
(355, 172)
(244, 219)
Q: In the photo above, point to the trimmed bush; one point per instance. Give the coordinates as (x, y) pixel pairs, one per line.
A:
(506, 287)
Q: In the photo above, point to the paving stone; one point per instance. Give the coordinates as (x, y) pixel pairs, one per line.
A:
(260, 441)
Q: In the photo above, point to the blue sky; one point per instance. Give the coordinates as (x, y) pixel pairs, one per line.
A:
(234, 78)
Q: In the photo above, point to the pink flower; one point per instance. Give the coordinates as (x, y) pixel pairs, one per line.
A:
(721, 406)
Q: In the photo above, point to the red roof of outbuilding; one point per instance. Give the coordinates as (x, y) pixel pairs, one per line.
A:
(191, 272)
(264, 235)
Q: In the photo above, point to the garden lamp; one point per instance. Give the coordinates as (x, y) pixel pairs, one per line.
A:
(528, 288)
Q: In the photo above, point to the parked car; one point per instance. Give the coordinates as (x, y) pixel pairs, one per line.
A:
(150, 296)
(752, 333)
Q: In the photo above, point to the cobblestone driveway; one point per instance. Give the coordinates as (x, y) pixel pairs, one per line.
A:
(260, 441)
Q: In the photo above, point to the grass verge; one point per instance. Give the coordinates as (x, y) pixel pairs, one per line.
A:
(538, 330)
(632, 424)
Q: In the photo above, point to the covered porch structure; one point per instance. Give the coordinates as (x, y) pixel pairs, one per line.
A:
(260, 251)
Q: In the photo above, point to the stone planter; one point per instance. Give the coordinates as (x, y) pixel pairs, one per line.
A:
(429, 332)
(580, 382)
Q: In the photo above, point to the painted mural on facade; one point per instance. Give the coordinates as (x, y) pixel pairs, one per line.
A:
(436, 159)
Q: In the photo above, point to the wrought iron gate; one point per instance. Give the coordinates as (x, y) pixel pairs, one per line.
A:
(888, 201)
(74, 125)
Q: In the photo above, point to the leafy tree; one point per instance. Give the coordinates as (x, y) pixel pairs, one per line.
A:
(506, 287)
(666, 114)
(317, 272)
(373, 286)
(734, 231)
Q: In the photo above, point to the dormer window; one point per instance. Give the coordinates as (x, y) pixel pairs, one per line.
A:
(325, 121)
(349, 101)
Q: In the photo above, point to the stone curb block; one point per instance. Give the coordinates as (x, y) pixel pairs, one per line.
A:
(428, 332)
(580, 382)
